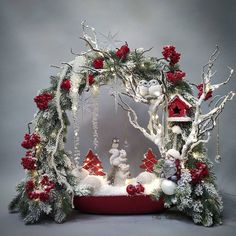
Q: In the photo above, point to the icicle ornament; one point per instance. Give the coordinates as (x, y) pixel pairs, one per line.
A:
(95, 110)
(218, 156)
(74, 95)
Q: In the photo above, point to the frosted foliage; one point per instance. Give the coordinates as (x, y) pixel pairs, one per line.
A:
(95, 110)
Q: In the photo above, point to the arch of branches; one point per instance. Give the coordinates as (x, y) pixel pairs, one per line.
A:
(51, 168)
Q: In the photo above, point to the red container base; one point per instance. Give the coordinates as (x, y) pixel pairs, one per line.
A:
(118, 205)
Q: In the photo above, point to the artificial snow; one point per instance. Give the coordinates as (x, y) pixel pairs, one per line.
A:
(110, 190)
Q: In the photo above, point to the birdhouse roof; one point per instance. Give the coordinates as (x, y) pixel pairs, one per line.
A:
(181, 99)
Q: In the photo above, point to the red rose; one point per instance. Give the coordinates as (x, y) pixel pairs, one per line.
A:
(66, 84)
(98, 63)
(200, 92)
(91, 79)
(123, 51)
(176, 76)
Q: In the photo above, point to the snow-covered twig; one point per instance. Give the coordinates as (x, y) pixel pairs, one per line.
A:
(203, 123)
(61, 178)
(155, 137)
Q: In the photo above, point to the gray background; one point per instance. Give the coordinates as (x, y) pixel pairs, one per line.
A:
(35, 34)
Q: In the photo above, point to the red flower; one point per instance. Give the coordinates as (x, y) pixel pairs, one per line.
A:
(43, 196)
(42, 100)
(98, 63)
(171, 55)
(176, 76)
(199, 173)
(123, 51)
(30, 141)
(66, 84)
(200, 92)
(29, 186)
(91, 79)
(28, 163)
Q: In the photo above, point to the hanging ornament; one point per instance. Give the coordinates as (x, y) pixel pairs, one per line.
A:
(75, 81)
(110, 42)
(126, 143)
(116, 94)
(168, 187)
(149, 161)
(95, 110)
(218, 156)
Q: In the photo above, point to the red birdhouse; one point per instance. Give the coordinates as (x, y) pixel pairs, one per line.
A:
(178, 109)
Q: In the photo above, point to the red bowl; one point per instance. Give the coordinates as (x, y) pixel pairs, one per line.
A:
(118, 205)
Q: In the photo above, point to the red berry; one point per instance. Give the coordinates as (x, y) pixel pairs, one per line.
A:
(42, 100)
(29, 186)
(27, 136)
(130, 189)
(176, 76)
(171, 55)
(43, 196)
(45, 180)
(26, 144)
(30, 195)
(28, 163)
(66, 84)
(139, 188)
(35, 195)
(98, 63)
(91, 79)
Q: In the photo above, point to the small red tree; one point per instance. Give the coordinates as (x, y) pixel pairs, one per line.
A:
(149, 161)
(93, 164)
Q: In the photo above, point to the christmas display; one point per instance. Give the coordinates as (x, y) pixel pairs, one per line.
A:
(178, 173)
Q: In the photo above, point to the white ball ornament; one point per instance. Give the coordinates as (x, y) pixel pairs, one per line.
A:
(176, 129)
(145, 177)
(92, 181)
(168, 187)
(80, 173)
